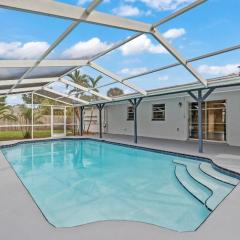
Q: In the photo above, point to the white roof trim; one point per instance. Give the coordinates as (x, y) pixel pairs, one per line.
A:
(44, 63)
(27, 81)
(67, 11)
(116, 78)
(65, 95)
(178, 56)
(20, 90)
(84, 89)
(83, 15)
(45, 96)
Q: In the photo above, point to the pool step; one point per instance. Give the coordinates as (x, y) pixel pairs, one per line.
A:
(195, 188)
(209, 170)
(219, 188)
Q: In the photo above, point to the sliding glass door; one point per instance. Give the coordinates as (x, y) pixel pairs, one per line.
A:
(214, 120)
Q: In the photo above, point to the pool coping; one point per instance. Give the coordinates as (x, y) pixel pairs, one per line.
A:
(159, 228)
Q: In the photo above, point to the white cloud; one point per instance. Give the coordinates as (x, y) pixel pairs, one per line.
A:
(127, 91)
(82, 2)
(162, 5)
(174, 33)
(86, 49)
(148, 13)
(219, 70)
(144, 44)
(126, 11)
(14, 99)
(163, 78)
(18, 50)
(133, 71)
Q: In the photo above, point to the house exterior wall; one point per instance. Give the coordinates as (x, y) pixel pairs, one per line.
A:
(176, 124)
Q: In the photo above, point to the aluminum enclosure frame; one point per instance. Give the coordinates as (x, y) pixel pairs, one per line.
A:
(88, 15)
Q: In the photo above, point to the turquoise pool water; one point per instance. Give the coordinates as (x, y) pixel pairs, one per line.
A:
(76, 182)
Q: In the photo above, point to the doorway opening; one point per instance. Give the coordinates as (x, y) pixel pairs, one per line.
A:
(214, 120)
(58, 121)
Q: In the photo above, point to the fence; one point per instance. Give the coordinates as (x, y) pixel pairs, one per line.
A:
(23, 122)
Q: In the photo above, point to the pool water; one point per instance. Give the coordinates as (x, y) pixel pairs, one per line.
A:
(76, 182)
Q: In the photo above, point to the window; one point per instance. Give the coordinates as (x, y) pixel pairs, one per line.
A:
(130, 114)
(158, 112)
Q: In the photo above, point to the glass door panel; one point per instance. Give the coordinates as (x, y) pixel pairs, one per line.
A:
(214, 120)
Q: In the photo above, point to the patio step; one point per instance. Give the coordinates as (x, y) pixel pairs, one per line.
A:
(196, 189)
(219, 189)
(209, 170)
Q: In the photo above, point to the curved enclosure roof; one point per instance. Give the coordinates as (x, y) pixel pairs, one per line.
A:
(140, 48)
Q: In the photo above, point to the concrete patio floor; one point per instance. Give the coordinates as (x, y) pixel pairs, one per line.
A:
(21, 219)
(221, 153)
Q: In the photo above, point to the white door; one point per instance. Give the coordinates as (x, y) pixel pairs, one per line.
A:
(58, 121)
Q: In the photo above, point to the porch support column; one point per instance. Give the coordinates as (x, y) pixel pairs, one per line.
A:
(51, 121)
(74, 121)
(135, 103)
(200, 128)
(32, 118)
(81, 120)
(65, 121)
(200, 99)
(100, 108)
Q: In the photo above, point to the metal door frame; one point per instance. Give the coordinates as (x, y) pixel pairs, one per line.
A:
(64, 121)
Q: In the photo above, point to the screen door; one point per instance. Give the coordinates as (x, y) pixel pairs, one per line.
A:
(58, 121)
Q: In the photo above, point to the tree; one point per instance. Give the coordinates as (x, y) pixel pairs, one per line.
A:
(5, 111)
(88, 82)
(26, 119)
(80, 79)
(45, 110)
(113, 92)
(27, 98)
(93, 82)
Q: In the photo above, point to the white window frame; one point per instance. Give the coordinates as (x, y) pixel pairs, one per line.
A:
(129, 113)
(164, 111)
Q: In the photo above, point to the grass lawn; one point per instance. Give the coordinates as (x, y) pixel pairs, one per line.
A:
(11, 135)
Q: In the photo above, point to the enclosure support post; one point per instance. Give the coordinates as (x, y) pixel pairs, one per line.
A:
(65, 121)
(200, 99)
(74, 121)
(32, 117)
(51, 121)
(200, 129)
(100, 108)
(135, 103)
(81, 123)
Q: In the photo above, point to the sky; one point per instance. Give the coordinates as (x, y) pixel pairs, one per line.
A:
(212, 26)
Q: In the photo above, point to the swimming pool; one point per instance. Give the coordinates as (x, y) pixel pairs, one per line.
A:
(75, 182)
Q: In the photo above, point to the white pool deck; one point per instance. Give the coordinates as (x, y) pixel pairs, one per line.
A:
(20, 218)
